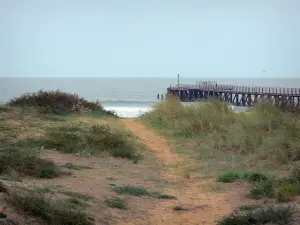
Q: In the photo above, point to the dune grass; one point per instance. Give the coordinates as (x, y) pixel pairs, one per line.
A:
(265, 130)
(264, 140)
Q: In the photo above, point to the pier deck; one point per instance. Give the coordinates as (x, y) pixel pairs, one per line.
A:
(236, 95)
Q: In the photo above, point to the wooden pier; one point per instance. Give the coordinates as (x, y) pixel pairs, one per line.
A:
(236, 95)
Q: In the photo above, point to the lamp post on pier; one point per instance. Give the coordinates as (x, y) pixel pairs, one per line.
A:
(178, 85)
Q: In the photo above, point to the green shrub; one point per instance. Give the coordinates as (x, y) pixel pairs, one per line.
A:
(164, 196)
(264, 188)
(178, 208)
(27, 163)
(131, 190)
(285, 193)
(228, 177)
(47, 172)
(262, 215)
(254, 177)
(283, 189)
(257, 193)
(58, 102)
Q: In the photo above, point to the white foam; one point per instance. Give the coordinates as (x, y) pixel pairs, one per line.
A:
(135, 111)
(128, 112)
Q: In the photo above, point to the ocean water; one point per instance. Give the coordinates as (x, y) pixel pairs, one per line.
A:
(129, 97)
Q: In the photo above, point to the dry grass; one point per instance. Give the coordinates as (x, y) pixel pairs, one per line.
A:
(266, 131)
(52, 211)
(26, 163)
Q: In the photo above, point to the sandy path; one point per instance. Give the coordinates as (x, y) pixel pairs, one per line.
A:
(203, 208)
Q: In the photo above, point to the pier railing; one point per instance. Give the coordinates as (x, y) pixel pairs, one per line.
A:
(238, 89)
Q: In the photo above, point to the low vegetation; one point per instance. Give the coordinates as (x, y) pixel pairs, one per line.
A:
(93, 139)
(76, 195)
(116, 202)
(58, 102)
(283, 189)
(229, 177)
(53, 211)
(72, 166)
(139, 191)
(271, 214)
(21, 162)
(178, 208)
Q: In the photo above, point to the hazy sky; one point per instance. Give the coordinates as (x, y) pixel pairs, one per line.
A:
(121, 38)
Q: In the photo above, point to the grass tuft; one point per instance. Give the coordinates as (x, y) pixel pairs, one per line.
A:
(116, 202)
(178, 208)
(164, 196)
(48, 209)
(77, 195)
(72, 166)
(131, 190)
(229, 177)
(75, 203)
(248, 207)
(139, 191)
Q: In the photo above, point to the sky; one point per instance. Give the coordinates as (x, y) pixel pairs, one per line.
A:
(157, 38)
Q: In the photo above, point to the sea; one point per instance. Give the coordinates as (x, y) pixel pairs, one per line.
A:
(128, 97)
